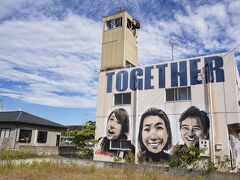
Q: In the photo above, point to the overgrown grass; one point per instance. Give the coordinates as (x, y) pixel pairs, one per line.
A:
(55, 171)
(11, 154)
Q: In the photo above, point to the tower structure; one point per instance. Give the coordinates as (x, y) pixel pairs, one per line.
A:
(119, 48)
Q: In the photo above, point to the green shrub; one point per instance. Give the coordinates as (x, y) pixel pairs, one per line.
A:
(130, 158)
(186, 156)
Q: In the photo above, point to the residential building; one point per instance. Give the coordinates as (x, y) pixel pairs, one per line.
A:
(20, 129)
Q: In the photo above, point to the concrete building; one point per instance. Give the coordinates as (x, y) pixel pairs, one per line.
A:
(153, 109)
(21, 130)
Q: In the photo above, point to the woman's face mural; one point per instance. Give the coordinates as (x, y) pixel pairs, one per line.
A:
(114, 128)
(154, 134)
(192, 130)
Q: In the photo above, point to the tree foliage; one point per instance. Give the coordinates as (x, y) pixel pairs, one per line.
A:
(85, 136)
(186, 156)
(85, 139)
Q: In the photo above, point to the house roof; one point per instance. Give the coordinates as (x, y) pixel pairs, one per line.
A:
(74, 127)
(24, 117)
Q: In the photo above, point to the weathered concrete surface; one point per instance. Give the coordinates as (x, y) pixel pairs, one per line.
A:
(140, 168)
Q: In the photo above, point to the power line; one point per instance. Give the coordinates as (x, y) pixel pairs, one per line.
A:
(232, 50)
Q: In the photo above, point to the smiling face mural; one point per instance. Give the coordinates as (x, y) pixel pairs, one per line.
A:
(154, 136)
(194, 126)
(192, 130)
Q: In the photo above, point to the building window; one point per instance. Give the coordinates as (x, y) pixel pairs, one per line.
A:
(114, 23)
(5, 132)
(25, 136)
(42, 137)
(120, 145)
(178, 94)
(130, 26)
(124, 98)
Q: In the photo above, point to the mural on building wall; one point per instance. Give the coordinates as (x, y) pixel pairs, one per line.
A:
(117, 129)
(194, 126)
(154, 136)
(157, 135)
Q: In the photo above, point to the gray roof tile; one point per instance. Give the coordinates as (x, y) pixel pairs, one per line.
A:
(24, 117)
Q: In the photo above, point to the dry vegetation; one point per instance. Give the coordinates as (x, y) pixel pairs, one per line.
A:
(53, 171)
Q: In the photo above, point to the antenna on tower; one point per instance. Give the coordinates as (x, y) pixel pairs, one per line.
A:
(172, 46)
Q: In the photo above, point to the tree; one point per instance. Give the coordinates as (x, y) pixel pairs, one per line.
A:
(85, 139)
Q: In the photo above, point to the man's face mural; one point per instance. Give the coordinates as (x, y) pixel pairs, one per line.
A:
(192, 130)
(154, 134)
(114, 127)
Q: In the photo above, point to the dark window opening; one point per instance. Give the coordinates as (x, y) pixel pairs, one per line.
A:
(133, 25)
(129, 24)
(25, 136)
(120, 145)
(108, 25)
(114, 23)
(178, 94)
(170, 95)
(42, 137)
(5, 132)
(129, 65)
(124, 98)
(118, 22)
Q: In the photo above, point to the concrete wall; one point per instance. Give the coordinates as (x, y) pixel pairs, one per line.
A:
(46, 150)
(118, 44)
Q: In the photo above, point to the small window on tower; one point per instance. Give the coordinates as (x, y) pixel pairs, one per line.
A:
(108, 25)
(118, 22)
(129, 65)
(114, 23)
(129, 24)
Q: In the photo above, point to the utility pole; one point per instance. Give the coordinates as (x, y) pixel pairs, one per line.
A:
(207, 79)
(1, 105)
(135, 124)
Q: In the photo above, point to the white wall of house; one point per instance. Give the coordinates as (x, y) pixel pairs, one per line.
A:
(9, 141)
(13, 140)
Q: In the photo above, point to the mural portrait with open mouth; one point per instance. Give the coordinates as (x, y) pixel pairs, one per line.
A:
(114, 128)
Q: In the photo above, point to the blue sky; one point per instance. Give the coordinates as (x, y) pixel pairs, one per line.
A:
(50, 50)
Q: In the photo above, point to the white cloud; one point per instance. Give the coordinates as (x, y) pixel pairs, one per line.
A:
(205, 27)
(56, 58)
